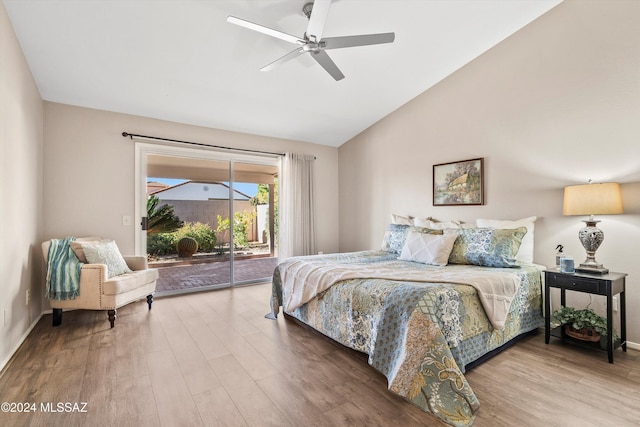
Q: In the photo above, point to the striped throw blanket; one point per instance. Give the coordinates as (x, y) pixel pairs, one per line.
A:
(63, 270)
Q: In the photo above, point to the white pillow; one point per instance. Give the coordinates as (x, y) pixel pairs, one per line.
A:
(433, 249)
(435, 225)
(106, 252)
(401, 220)
(525, 253)
(76, 246)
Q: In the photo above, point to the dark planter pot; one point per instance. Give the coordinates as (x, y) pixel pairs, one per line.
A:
(584, 334)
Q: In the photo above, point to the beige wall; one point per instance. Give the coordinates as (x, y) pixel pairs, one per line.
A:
(20, 193)
(557, 103)
(89, 171)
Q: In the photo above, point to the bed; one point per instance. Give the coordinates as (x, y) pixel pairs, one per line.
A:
(420, 323)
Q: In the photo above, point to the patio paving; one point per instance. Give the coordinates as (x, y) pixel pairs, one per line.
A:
(192, 276)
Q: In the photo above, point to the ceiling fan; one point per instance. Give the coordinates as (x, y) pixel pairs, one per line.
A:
(312, 41)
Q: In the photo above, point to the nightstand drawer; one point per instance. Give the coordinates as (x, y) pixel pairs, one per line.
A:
(579, 284)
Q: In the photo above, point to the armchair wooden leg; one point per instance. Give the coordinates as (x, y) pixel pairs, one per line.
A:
(112, 317)
(57, 317)
(149, 300)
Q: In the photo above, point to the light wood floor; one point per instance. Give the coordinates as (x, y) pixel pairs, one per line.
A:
(213, 359)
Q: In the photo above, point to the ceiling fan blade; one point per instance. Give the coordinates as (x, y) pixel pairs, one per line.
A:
(318, 18)
(352, 41)
(265, 30)
(323, 59)
(289, 56)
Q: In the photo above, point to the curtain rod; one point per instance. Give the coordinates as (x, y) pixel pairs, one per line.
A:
(131, 135)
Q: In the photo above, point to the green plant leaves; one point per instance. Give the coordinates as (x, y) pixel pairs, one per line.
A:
(161, 219)
(580, 319)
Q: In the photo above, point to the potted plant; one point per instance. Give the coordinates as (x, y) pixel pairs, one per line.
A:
(187, 246)
(583, 324)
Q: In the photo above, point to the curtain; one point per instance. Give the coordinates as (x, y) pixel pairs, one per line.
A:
(297, 230)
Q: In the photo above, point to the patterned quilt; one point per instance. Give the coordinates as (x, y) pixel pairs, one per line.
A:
(419, 335)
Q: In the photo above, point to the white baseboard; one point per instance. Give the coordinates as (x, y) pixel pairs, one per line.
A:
(633, 345)
(19, 343)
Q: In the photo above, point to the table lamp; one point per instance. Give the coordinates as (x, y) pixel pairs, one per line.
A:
(592, 199)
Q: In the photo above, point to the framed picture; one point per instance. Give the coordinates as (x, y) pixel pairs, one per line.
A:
(458, 183)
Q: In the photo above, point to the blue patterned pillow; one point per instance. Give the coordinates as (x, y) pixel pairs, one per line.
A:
(489, 247)
(396, 235)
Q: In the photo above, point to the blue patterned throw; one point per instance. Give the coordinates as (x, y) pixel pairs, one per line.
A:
(63, 270)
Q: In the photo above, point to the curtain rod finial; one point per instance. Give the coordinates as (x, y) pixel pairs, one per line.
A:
(125, 134)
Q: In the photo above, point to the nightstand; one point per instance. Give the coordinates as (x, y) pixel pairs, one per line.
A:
(598, 284)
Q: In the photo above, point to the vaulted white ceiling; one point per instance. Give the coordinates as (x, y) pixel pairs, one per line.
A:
(181, 61)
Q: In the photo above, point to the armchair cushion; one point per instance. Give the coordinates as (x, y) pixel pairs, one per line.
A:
(129, 281)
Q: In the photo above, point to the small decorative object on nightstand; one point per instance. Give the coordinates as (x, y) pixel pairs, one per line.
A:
(559, 254)
(598, 284)
(567, 265)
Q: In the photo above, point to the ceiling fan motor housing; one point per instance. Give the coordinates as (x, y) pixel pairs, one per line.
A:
(306, 9)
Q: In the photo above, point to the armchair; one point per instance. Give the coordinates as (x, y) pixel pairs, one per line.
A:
(99, 292)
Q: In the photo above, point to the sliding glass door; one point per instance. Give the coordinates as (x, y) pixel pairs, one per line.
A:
(254, 222)
(220, 204)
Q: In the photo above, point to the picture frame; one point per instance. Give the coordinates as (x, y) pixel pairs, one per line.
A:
(459, 183)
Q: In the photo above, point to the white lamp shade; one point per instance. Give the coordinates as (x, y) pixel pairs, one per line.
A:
(592, 199)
